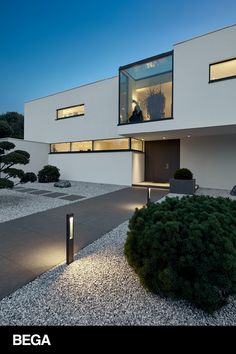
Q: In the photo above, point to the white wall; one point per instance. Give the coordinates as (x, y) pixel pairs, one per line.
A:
(100, 167)
(137, 167)
(100, 119)
(211, 159)
(198, 103)
(38, 153)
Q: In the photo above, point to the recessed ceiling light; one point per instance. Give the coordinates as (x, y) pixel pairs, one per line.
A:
(163, 137)
(188, 136)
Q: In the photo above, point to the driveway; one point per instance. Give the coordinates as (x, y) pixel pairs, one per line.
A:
(33, 244)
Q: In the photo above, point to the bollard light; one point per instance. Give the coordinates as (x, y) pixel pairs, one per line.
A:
(69, 238)
(148, 195)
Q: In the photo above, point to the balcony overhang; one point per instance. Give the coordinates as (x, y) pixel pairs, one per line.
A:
(183, 133)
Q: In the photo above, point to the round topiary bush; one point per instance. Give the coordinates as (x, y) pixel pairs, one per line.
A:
(186, 249)
(183, 173)
(49, 174)
(6, 183)
(28, 177)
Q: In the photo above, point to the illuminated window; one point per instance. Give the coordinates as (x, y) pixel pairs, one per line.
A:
(98, 145)
(223, 70)
(111, 144)
(60, 147)
(146, 90)
(136, 144)
(81, 146)
(70, 111)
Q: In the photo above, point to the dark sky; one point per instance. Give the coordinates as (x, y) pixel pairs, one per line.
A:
(53, 45)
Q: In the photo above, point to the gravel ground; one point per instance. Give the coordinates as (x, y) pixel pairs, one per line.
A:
(205, 191)
(215, 193)
(86, 189)
(15, 205)
(99, 288)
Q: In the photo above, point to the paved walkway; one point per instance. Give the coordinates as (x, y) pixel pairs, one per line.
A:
(31, 245)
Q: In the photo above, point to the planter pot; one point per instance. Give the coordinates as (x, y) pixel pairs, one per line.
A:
(182, 186)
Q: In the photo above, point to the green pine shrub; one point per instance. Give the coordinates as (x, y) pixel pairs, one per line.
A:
(183, 173)
(49, 174)
(186, 249)
(6, 183)
(28, 177)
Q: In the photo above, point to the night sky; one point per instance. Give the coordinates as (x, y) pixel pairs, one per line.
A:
(48, 46)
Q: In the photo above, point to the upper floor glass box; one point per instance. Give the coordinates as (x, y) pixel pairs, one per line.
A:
(145, 90)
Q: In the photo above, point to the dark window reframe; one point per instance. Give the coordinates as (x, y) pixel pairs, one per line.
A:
(72, 116)
(143, 61)
(223, 78)
(92, 151)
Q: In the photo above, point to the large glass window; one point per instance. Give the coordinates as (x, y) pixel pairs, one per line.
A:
(146, 90)
(98, 145)
(136, 144)
(223, 70)
(60, 147)
(81, 146)
(111, 144)
(70, 111)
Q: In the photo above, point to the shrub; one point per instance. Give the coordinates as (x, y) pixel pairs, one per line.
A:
(6, 183)
(49, 174)
(183, 173)
(28, 177)
(186, 249)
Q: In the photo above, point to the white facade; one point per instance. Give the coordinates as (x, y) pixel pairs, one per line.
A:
(99, 167)
(38, 153)
(204, 120)
(211, 159)
(100, 119)
(196, 102)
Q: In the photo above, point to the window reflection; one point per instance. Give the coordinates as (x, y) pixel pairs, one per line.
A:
(146, 91)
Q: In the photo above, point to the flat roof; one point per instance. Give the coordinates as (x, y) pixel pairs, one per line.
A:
(205, 34)
(73, 88)
(131, 64)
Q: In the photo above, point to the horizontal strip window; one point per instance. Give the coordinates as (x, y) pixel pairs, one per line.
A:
(223, 70)
(98, 145)
(69, 112)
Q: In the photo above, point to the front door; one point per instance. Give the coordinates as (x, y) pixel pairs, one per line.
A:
(162, 159)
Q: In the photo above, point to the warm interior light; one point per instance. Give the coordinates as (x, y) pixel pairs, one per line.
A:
(188, 136)
(71, 225)
(163, 137)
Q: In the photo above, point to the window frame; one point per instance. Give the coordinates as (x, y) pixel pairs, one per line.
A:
(72, 116)
(96, 151)
(143, 61)
(223, 78)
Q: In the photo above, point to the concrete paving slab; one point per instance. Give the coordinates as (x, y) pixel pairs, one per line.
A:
(26, 190)
(72, 197)
(55, 195)
(40, 191)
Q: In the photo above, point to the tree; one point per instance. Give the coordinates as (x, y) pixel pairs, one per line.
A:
(8, 159)
(5, 129)
(16, 122)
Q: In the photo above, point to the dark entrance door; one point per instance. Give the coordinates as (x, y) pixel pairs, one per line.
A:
(162, 159)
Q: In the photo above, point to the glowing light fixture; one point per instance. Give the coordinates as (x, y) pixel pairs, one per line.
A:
(69, 238)
(148, 194)
(164, 138)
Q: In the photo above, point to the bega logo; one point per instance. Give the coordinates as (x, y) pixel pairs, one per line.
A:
(28, 339)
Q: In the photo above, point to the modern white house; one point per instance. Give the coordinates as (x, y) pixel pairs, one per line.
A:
(177, 109)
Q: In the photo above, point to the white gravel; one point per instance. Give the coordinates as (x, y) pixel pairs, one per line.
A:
(99, 288)
(204, 191)
(86, 189)
(15, 204)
